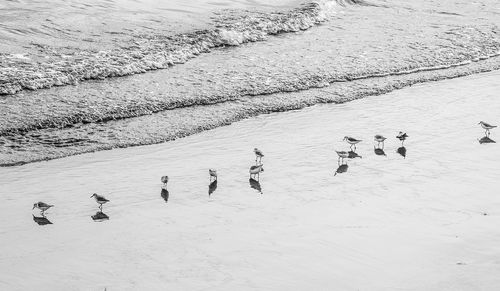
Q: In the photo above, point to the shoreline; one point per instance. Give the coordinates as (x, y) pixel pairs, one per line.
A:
(337, 92)
(386, 223)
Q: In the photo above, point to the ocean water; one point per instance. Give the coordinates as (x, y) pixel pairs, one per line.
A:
(78, 77)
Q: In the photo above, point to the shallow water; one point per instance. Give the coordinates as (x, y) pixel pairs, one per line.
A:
(428, 221)
(255, 59)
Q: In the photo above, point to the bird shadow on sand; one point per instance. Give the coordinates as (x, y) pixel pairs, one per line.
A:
(486, 139)
(100, 216)
(341, 169)
(255, 184)
(41, 220)
(212, 187)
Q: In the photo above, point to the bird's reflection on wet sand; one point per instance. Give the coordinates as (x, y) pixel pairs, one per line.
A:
(254, 184)
(100, 216)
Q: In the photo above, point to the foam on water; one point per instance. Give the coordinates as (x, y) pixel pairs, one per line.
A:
(351, 47)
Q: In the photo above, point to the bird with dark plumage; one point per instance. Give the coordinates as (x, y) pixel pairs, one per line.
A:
(99, 199)
(352, 141)
(258, 155)
(487, 127)
(42, 206)
(213, 174)
(402, 136)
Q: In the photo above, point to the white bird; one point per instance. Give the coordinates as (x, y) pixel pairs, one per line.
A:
(213, 174)
(99, 199)
(42, 206)
(164, 180)
(342, 155)
(258, 155)
(380, 139)
(352, 141)
(487, 126)
(256, 170)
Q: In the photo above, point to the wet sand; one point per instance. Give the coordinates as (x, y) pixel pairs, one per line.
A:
(425, 222)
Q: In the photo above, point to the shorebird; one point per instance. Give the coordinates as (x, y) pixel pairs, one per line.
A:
(42, 206)
(487, 126)
(213, 174)
(99, 199)
(352, 141)
(380, 139)
(342, 155)
(164, 180)
(255, 170)
(402, 136)
(258, 155)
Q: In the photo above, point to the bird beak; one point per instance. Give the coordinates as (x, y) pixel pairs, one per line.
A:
(33, 207)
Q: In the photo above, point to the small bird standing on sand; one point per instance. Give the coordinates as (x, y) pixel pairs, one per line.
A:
(380, 139)
(402, 136)
(256, 170)
(342, 155)
(42, 206)
(164, 180)
(487, 126)
(258, 155)
(213, 174)
(99, 199)
(352, 141)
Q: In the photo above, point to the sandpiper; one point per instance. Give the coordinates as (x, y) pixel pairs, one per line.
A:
(352, 141)
(487, 126)
(258, 155)
(380, 139)
(342, 155)
(164, 180)
(42, 206)
(402, 136)
(99, 199)
(255, 170)
(213, 174)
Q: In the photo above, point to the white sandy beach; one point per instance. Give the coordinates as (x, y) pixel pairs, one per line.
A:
(426, 222)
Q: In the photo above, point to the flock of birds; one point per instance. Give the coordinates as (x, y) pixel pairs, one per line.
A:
(256, 169)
